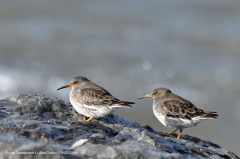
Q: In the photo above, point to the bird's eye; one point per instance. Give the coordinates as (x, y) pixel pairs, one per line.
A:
(155, 93)
(75, 82)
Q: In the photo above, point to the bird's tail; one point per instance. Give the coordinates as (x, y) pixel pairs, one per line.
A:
(123, 104)
(127, 104)
(211, 115)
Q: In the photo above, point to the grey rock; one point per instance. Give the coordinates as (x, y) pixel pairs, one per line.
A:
(36, 126)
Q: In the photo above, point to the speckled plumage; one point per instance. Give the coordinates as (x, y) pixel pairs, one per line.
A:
(92, 100)
(176, 112)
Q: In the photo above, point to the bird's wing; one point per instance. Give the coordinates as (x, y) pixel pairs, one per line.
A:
(181, 108)
(92, 96)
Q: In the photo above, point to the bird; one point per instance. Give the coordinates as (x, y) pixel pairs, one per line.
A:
(176, 112)
(91, 100)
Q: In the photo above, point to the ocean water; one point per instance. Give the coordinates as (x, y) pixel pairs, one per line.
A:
(129, 48)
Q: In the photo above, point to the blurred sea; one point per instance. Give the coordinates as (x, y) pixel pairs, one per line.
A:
(129, 48)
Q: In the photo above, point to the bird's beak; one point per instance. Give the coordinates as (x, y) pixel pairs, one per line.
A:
(68, 85)
(146, 96)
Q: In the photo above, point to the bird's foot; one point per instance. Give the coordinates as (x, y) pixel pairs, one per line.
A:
(89, 119)
(168, 133)
(162, 134)
(180, 132)
(79, 120)
(86, 119)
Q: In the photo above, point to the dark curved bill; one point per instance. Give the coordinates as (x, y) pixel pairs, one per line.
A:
(146, 96)
(68, 85)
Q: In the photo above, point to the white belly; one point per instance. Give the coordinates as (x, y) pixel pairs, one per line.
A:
(174, 123)
(160, 117)
(90, 111)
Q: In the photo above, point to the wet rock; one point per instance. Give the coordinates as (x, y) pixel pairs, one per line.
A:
(36, 126)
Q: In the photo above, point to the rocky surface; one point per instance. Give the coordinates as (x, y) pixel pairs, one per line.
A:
(36, 126)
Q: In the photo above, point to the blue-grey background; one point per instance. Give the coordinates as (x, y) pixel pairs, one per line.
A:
(129, 48)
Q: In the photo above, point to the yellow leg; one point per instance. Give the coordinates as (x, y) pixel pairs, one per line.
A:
(88, 119)
(179, 134)
(168, 133)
